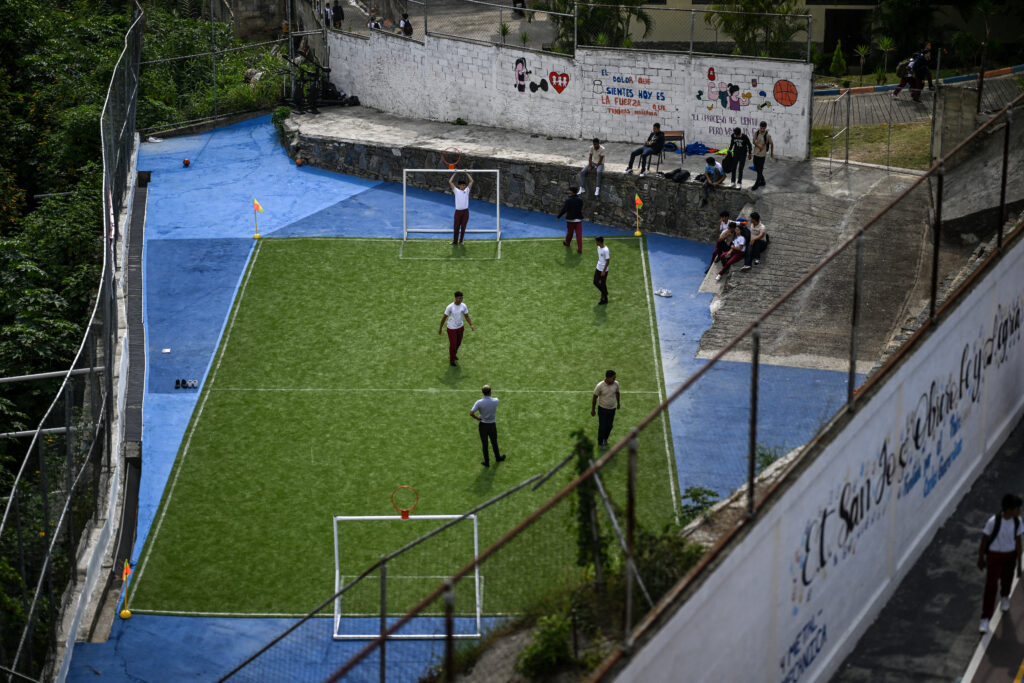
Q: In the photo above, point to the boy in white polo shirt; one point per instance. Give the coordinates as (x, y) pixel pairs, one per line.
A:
(461, 207)
(453, 314)
(1000, 551)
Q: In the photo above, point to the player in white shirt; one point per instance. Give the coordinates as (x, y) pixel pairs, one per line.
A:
(601, 272)
(999, 553)
(461, 207)
(453, 314)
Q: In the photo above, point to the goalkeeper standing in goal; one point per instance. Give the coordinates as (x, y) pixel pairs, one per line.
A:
(461, 207)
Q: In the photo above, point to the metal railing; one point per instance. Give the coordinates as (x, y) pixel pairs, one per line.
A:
(926, 208)
(58, 489)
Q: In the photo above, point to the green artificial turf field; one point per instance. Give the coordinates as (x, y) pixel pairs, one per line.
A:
(331, 387)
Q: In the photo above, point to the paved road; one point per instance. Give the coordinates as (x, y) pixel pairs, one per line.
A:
(881, 107)
(929, 630)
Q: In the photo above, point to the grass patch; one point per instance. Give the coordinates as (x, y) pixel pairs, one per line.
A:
(910, 144)
(333, 387)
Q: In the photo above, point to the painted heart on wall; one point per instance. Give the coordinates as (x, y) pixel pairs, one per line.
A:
(558, 81)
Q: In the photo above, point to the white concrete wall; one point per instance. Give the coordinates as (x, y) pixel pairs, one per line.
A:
(791, 600)
(612, 94)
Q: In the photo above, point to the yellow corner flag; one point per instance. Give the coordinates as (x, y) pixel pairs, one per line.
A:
(126, 572)
(639, 202)
(256, 206)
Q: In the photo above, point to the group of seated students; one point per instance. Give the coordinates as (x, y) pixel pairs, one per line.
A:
(739, 241)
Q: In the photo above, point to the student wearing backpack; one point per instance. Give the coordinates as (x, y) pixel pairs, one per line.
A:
(740, 148)
(405, 25)
(1000, 550)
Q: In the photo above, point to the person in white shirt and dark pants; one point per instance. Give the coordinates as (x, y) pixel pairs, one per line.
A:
(1000, 551)
(453, 315)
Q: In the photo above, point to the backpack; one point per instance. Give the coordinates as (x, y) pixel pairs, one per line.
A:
(903, 68)
(407, 28)
(999, 521)
(729, 163)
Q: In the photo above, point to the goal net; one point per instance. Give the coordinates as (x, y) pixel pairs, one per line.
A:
(423, 224)
(414, 559)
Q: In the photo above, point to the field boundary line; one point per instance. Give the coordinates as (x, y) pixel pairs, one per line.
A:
(655, 349)
(178, 465)
(352, 390)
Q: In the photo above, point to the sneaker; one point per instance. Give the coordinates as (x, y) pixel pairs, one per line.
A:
(499, 458)
(718, 277)
(597, 191)
(983, 626)
(757, 262)
(453, 364)
(602, 302)
(177, 384)
(485, 463)
(643, 173)
(745, 267)
(629, 170)
(1004, 604)
(582, 190)
(732, 184)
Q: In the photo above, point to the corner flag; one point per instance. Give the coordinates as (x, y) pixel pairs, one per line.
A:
(256, 206)
(126, 572)
(639, 202)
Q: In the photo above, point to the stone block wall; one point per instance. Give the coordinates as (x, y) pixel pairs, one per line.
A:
(669, 208)
(612, 94)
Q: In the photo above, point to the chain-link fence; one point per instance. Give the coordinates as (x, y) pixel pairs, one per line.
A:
(60, 485)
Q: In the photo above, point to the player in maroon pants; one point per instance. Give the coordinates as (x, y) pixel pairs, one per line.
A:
(453, 314)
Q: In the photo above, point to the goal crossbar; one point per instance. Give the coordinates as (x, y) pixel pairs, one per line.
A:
(382, 575)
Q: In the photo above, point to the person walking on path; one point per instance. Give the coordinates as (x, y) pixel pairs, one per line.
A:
(595, 165)
(763, 146)
(461, 207)
(740, 147)
(1000, 551)
(453, 314)
(655, 141)
(572, 209)
(488, 427)
(601, 272)
(604, 404)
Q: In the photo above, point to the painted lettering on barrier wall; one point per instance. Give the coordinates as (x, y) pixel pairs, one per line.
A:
(629, 95)
(804, 649)
(746, 99)
(927, 445)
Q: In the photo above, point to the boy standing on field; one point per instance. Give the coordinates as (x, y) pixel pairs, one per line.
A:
(461, 207)
(453, 315)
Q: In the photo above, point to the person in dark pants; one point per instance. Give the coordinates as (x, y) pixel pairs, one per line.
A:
(601, 272)
(604, 404)
(757, 241)
(461, 207)
(655, 141)
(453, 315)
(1000, 551)
(740, 147)
(572, 209)
(488, 409)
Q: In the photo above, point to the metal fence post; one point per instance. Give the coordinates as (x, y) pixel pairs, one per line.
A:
(383, 617)
(752, 446)
(810, 23)
(575, 28)
(849, 104)
(1002, 187)
(981, 75)
(449, 629)
(693, 29)
(936, 230)
(426, 4)
(627, 637)
(855, 324)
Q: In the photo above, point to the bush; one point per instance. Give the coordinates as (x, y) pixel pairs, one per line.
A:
(549, 650)
(838, 67)
(278, 117)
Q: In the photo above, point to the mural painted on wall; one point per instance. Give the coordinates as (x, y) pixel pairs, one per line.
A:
(804, 649)
(742, 100)
(629, 95)
(559, 81)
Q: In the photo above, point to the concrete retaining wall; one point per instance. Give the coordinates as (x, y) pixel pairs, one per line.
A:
(671, 207)
(612, 94)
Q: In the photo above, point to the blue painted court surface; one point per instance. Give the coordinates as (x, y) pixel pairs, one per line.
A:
(199, 227)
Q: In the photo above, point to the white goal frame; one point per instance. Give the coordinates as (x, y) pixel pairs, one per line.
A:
(406, 230)
(478, 586)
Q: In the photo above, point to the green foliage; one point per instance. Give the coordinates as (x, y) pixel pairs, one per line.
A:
(700, 501)
(909, 21)
(880, 76)
(862, 52)
(755, 34)
(278, 118)
(766, 455)
(460, 122)
(548, 652)
(591, 544)
(838, 67)
(662, 559)
(602, 25)
(524, 38)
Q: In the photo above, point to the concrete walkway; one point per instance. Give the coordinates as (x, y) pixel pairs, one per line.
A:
(929, 630)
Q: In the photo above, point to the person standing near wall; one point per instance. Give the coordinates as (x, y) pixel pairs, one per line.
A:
(595, 165)
(1000, 550)
(572, 209)
(763, 146)
(740, 148)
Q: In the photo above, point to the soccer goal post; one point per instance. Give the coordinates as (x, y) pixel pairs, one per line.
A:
(405, 575)
(411, 230)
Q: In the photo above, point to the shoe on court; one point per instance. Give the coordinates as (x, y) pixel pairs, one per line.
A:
(1004, 604)
(597, 191)
(629, 170)
(643, 173)
(983, 626)
(718, 277)
(745, 267)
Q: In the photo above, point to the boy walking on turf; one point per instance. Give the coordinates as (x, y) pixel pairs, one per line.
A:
(601, 272)
(453, 314)
(604, 404)
(488, 427)
(461, 207)
(1000, 551)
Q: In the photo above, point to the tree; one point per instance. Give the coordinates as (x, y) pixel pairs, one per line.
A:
(862, 51)
(838, 67)
(910, 21)
(886, 44)
(755, 34)
(616, 23)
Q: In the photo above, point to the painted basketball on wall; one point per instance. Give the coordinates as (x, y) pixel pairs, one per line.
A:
(785, 93)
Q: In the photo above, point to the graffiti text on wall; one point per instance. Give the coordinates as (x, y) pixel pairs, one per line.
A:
(803, 650)
(630, 95)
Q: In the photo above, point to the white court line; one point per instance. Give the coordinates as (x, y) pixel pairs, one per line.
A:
(658, 379)
(429, 390)
(192, 428)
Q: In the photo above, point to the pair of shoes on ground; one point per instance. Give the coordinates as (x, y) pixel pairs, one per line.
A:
(597, 190)
(1004, 605)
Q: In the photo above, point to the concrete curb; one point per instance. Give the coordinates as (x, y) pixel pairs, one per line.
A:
(864, 89)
